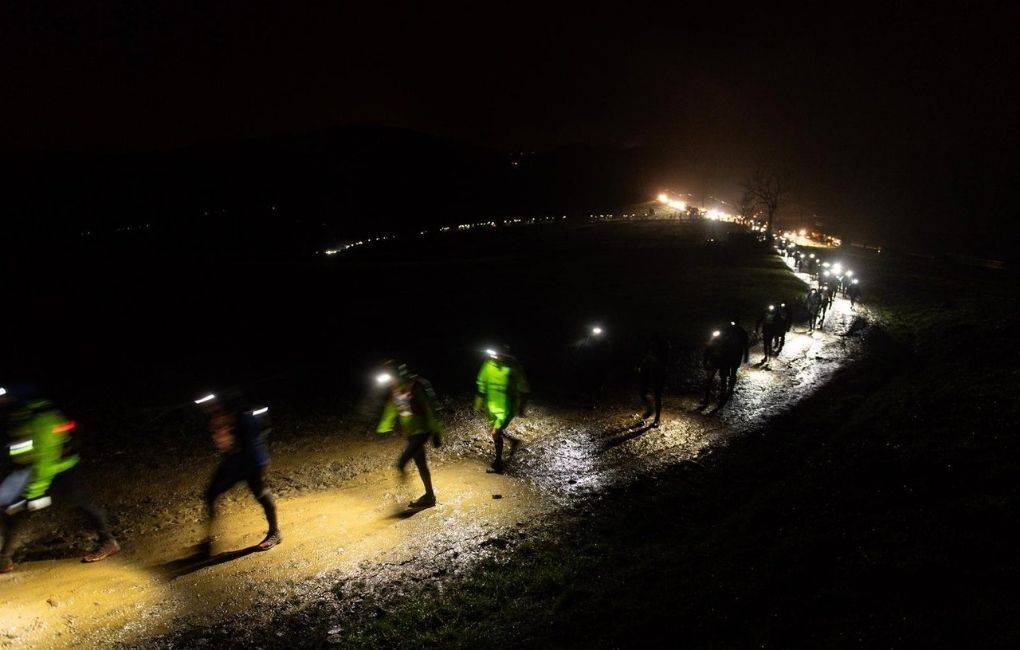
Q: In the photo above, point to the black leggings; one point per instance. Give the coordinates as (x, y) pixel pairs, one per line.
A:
(727, 381)
(652, 387)
(232, 470)
(771, 342)
(415, 450)
(67, 488)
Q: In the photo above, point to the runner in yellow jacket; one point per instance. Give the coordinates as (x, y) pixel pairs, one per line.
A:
(503, 390)
(41, 445)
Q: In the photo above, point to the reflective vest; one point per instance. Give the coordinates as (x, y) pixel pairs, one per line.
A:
(500, 386)
(42, 443)
(411, 403)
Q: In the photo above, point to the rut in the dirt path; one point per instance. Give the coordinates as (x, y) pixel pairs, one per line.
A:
(360, 528)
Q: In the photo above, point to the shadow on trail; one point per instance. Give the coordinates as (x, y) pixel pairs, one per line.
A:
(629, 435)
(407, 513)
(197, 561)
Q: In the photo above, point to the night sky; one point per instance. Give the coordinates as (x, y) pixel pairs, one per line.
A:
(890, 118)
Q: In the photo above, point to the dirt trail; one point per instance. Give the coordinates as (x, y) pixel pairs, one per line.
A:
(150, 587)
(361, 524)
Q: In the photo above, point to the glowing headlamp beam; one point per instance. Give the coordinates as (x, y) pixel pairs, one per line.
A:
(208, 398)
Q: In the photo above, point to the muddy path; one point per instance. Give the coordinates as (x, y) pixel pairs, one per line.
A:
(356, 527)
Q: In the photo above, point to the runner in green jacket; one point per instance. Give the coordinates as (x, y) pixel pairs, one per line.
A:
(41, 445)
(411, 404)
(502, 389)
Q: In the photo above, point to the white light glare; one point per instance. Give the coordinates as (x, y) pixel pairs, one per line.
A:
(208, 398)
(383, 378)
(261, 411)
(597, 331)
(21, 447)
(3, 391)
(492, 353)
(716, 333)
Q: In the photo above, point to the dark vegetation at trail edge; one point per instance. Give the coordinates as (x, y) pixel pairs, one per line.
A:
(881, 511)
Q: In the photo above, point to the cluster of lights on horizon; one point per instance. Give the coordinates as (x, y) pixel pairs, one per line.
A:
(716, 214)
(712, 214)
(814, 237)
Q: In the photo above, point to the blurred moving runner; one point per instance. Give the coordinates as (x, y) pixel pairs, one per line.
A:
(411, 403)
(42, 447)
